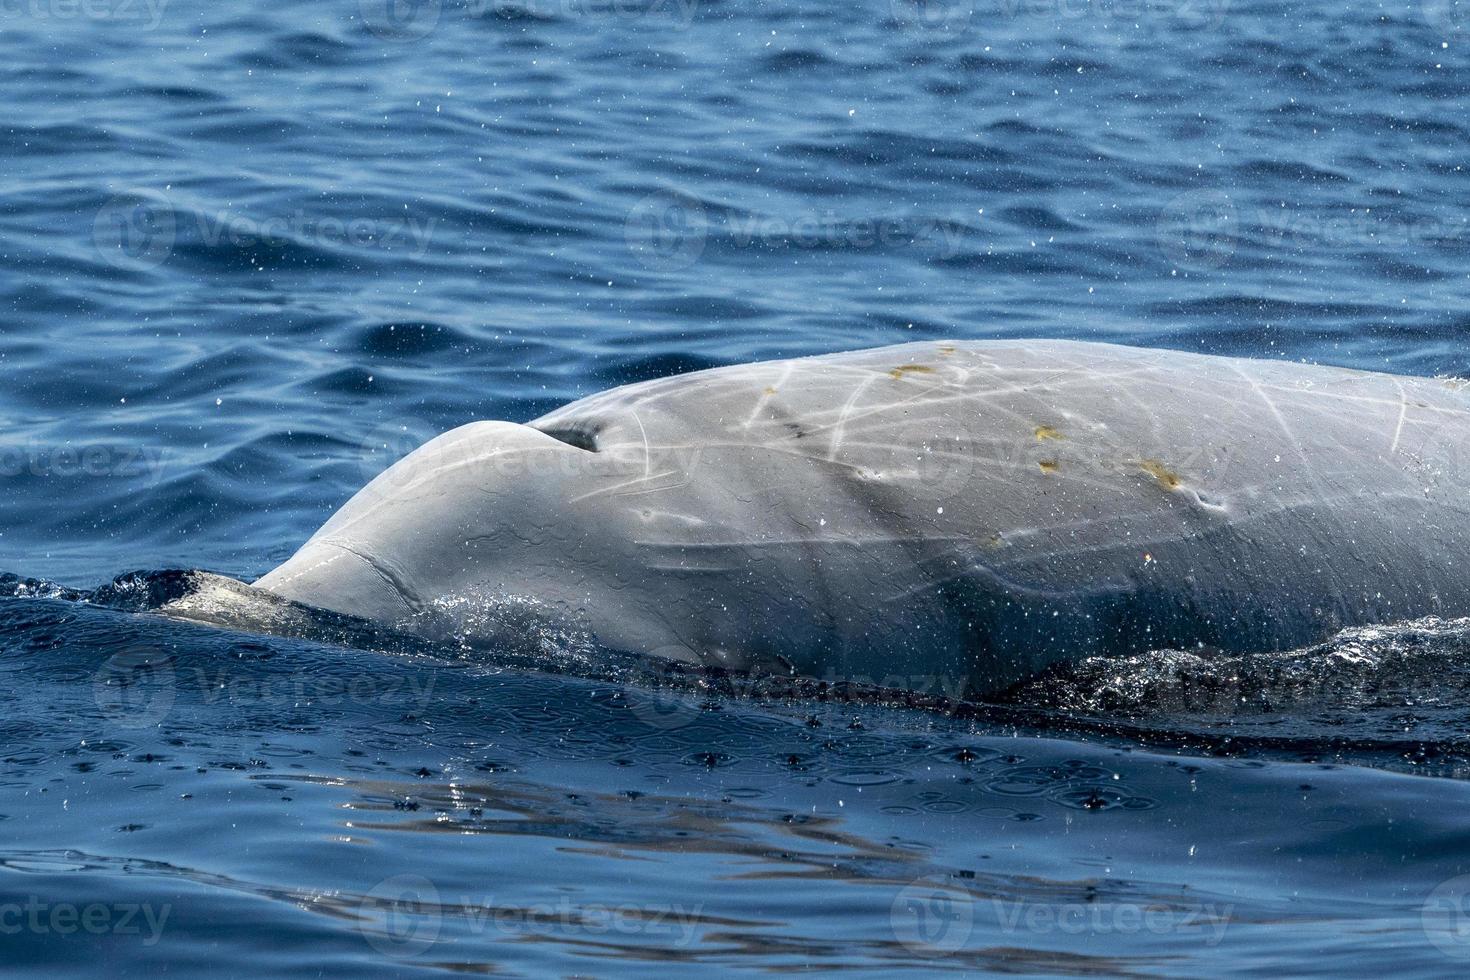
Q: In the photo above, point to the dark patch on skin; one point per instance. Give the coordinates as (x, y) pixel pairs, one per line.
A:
(899, 372)
(1166, 477)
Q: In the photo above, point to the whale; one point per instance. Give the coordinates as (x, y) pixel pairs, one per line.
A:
(969, 511)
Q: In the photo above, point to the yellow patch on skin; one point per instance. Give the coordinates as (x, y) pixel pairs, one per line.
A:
(1456, 384)
(770, 391)
(898, 372)
(1049, 465)
(1045, 432)
(946, 350)
(996, 542)
(1167, 478)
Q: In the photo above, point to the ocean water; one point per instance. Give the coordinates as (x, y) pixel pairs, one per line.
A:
(250, 254)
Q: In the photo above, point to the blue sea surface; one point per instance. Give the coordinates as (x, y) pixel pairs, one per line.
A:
(250, 254)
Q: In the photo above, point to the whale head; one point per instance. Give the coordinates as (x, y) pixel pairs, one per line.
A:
(487, 509)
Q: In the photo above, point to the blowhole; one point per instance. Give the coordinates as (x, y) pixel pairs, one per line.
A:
(578, 438)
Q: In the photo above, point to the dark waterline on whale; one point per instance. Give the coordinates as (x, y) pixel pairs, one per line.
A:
(253, 255)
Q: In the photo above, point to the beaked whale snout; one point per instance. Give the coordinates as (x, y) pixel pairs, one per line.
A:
(962, 510)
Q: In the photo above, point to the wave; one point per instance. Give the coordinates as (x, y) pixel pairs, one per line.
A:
(1389, 696)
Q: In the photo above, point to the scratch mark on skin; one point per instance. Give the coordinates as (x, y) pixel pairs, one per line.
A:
(1398, 433)
(1045, 432)
(647, 452)
(622, 489)
(899, 372)
(1291, 439)
(1167, 478)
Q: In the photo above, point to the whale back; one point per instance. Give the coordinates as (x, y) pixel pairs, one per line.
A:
(1063, 498)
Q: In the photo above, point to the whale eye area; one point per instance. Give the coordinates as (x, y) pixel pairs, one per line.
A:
(576, 436)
